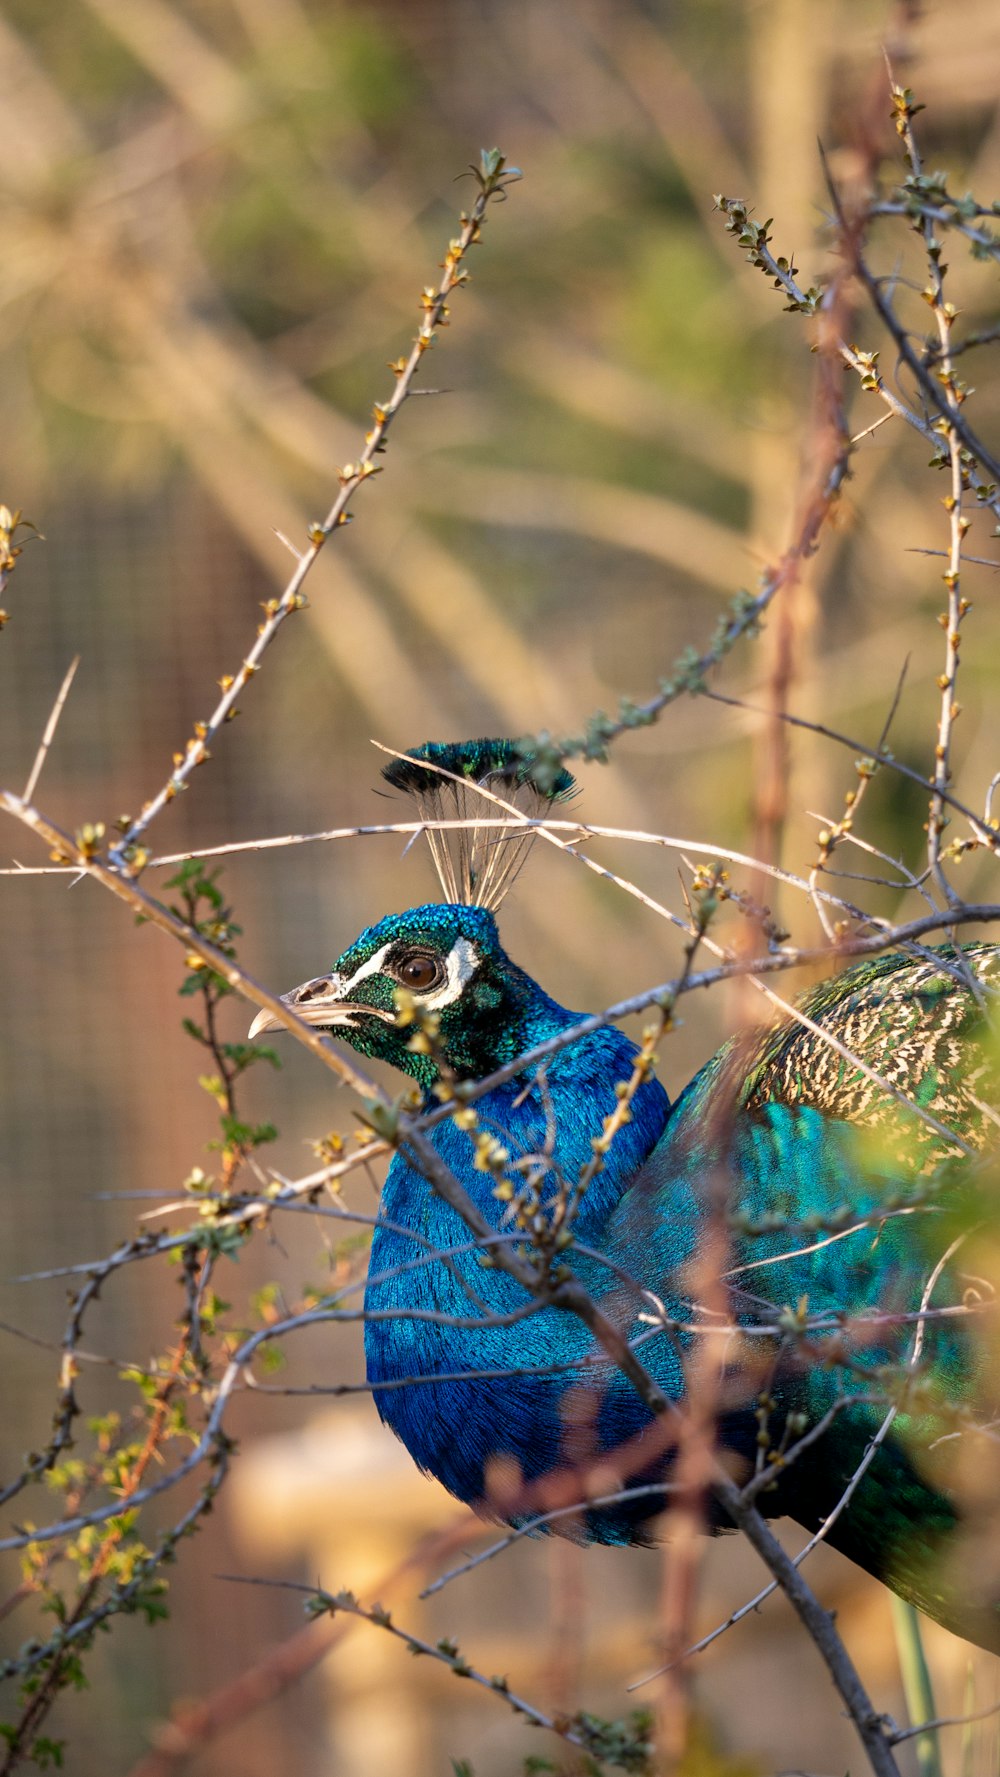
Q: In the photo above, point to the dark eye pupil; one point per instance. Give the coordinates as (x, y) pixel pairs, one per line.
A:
(418, 972)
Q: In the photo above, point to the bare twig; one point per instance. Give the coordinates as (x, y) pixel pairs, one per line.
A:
(50, 728)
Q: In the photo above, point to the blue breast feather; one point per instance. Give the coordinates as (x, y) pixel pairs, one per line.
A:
(643, 1211)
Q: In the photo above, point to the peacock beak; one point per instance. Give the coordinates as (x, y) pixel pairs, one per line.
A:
(319, 1001)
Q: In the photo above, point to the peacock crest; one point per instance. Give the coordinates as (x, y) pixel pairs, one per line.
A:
(483, 782)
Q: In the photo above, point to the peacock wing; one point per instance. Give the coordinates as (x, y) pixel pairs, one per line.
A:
(838, 1163)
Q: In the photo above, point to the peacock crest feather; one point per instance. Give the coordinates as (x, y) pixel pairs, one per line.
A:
(478, 781)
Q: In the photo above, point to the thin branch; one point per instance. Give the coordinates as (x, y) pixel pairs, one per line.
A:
(50, 728)
(577, 1731)
(493, 178)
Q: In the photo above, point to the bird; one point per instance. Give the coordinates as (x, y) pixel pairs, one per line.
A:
(842, 1157)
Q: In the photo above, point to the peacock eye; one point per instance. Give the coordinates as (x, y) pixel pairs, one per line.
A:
(419, 971)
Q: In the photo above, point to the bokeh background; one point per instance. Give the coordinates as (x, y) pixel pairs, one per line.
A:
(217, 216)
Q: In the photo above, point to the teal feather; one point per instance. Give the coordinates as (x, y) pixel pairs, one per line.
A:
(810, 1143)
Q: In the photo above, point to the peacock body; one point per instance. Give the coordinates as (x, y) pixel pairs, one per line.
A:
(831, 1154)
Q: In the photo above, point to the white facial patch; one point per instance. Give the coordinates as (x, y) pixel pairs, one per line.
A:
(373, 966)
(463, 961)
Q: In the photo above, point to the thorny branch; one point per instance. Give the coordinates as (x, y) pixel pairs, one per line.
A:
(624, 1746)
(493, 176)
(944, 383)
(226, 1218)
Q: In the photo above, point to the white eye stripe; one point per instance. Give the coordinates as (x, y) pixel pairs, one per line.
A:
(372, 967)
(463, 961)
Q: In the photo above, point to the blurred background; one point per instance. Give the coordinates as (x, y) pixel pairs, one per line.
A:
(217, 216)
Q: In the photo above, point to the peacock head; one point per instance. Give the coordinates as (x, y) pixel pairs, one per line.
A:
(441, 959)
(479, 802)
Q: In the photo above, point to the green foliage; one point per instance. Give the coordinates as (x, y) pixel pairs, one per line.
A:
(43, 1751)
(202, 905)
(237, 1134)
(47, 1753)
(754, 238)
(112, 1569)
(627, 1744)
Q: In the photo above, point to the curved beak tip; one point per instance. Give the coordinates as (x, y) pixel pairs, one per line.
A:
(264, 1021)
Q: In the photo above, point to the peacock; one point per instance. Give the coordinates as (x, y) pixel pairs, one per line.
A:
(842, 1158)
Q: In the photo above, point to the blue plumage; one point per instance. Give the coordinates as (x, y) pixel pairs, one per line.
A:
(454, 1429)
(795, 1142)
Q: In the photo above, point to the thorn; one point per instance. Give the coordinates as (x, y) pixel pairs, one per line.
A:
(288, 545)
